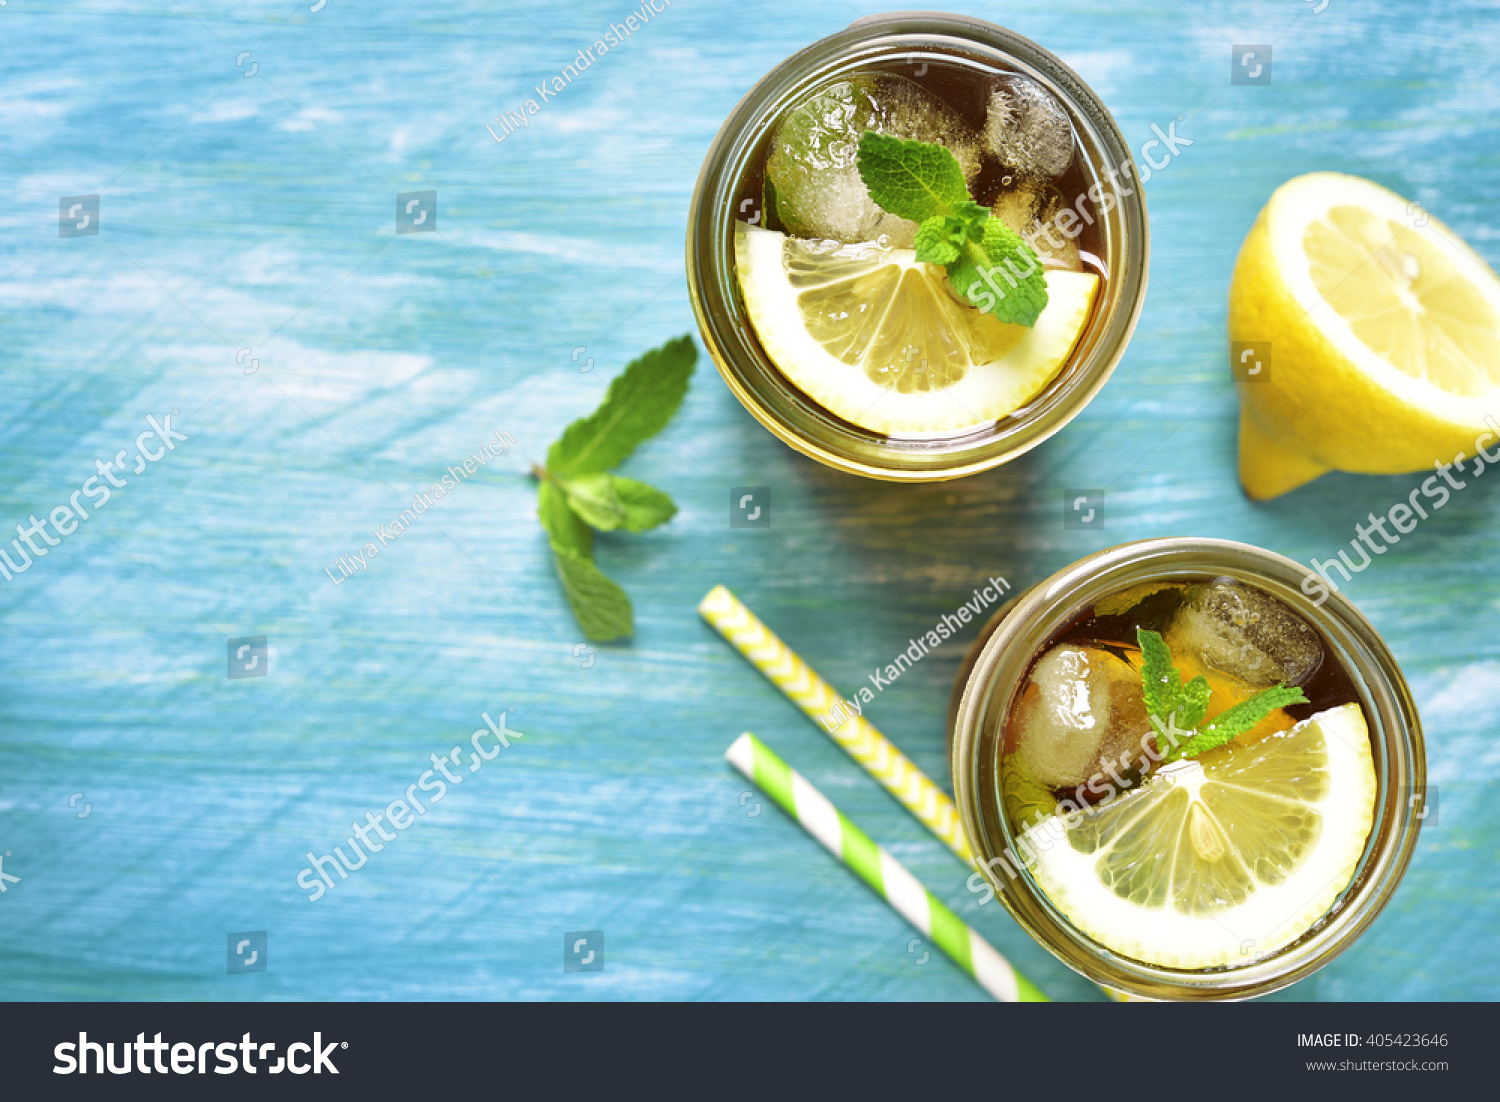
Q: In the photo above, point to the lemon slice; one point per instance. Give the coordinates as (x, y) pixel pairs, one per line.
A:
(1223, 858)
(1385, 334)
(877, 338)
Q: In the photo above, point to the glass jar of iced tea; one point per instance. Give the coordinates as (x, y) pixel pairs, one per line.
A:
(1187, 768)
(809, 295)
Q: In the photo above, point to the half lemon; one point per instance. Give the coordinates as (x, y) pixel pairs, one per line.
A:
(877, 338)
(1384, 329)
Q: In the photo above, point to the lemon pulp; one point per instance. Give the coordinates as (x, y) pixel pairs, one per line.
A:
(1405, 299)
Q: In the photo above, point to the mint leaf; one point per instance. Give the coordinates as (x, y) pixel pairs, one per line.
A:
(645, 506)
(640, 402)
(565, 531)
(973, 216)
(1161, 684)
(1192, 706)
(1024, 798)
(608, 501)
(601, 607)
(942, 238)
(937, 241)
(910, 179)
(1235, 721)
(1001, 275)
(593, 498)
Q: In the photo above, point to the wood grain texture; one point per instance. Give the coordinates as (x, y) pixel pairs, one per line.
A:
(258, 212)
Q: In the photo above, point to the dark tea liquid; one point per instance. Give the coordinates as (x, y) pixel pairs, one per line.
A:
(963, 85)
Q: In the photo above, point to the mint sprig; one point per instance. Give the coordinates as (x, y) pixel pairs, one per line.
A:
(577, 494)
(1177, 710)
(988, 263)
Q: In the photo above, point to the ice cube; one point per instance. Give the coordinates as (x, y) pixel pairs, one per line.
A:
(819, 192)
(1080, 718)
(1055, 248)
(1246, 633)
(1028, 129)
(1017, 207)
(1032, 210)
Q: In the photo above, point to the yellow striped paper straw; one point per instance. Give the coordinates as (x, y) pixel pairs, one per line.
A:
(857, 735)
(882, 872)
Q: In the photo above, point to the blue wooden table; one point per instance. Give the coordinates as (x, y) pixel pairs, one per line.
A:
(246, 273)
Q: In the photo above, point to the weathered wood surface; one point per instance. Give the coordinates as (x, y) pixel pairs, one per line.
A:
(257, 213)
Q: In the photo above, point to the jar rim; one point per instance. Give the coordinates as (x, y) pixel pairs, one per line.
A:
(1397, 742)
(729, 336)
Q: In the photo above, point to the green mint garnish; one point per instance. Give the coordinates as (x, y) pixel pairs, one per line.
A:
(910, 179)
(987, 262)
(1161, 685)
(577, 494)
(607, 502)
(1177, 711)
(1001, 275)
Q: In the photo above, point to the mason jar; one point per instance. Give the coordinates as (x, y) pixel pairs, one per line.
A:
(996, 669)
(726, 192)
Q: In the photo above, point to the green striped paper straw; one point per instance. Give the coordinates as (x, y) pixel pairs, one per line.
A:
(877, 868)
